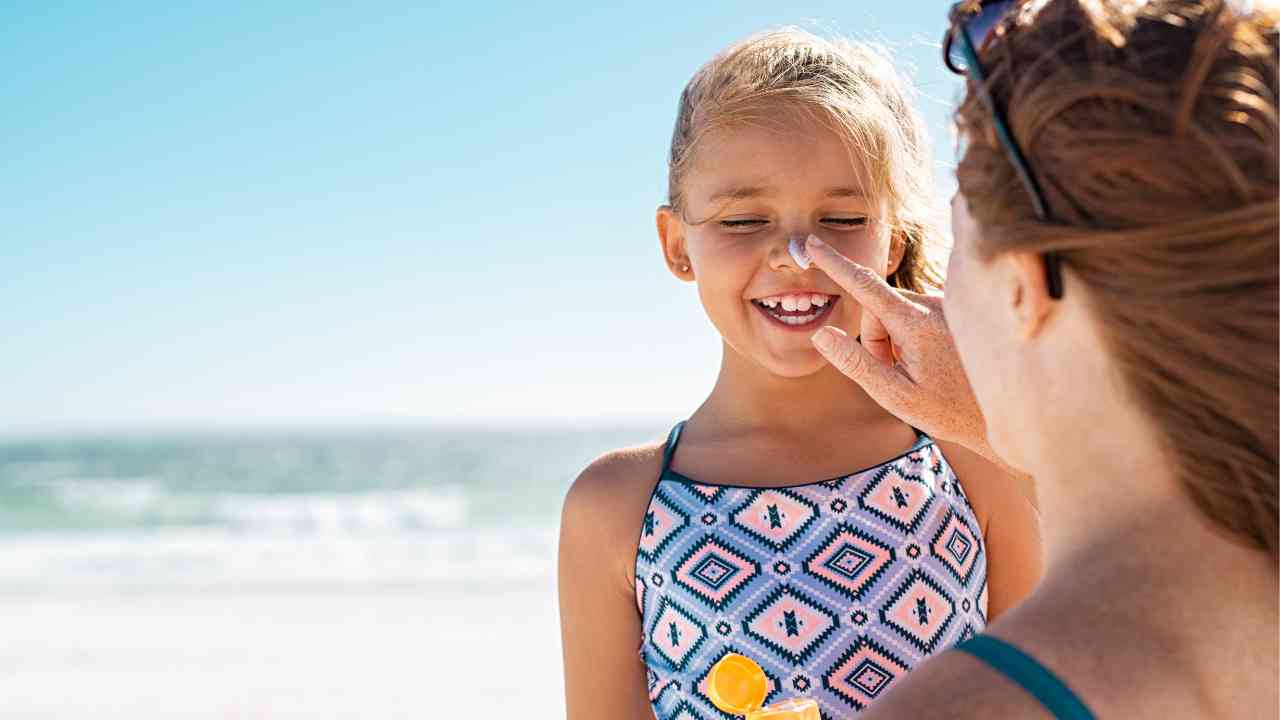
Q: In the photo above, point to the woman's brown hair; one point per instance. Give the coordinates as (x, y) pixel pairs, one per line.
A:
(1152, 129)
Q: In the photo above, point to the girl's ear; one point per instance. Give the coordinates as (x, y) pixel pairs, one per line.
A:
(897, 250)
(674, 250)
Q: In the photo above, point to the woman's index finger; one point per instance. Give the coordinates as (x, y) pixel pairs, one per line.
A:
(861, 282)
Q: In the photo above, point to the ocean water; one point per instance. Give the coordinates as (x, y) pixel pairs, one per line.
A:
(271, 574)
(432, 506)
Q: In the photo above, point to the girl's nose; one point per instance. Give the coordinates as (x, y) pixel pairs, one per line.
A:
(799, 252)
(789, 253)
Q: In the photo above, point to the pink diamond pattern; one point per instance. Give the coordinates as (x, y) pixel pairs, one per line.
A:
(662, 523)
(715, 572)
(920, 611)
(709, 493)
(956, 545)
(676, 634)
(900, 500)
(850, 561)
(835, 587)
(775, 517)
(790, 624)
(865, 672)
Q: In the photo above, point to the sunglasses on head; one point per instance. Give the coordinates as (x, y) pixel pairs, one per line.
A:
(972, 24)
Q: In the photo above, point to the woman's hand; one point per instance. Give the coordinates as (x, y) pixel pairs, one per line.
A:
(906, 360)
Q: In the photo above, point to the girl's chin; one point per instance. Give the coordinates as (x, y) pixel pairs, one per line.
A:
(796, 365)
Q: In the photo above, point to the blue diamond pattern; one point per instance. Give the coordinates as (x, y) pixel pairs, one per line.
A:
(849, 561)
(714, 571)
(870, 676)
(959, 546)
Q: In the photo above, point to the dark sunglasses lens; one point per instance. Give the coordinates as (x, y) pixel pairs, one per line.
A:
(979, 28)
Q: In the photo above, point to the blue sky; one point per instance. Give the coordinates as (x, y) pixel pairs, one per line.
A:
(249, 214)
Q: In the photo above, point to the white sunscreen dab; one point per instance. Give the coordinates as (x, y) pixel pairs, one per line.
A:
(797, 248)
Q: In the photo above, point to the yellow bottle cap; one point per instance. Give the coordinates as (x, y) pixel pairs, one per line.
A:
(737, 685)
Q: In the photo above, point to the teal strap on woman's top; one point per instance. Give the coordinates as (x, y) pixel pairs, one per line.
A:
(672, 441)
(1035, 678)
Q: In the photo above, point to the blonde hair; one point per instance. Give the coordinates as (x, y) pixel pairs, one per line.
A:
(1154, 131)
(851, 86)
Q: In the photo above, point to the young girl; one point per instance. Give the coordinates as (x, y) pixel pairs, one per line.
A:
(790, 519)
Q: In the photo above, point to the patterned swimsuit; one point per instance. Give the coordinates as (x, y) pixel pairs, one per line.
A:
(837, 588)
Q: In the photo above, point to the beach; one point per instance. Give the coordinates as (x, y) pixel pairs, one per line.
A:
(384, 653)
(335, 576)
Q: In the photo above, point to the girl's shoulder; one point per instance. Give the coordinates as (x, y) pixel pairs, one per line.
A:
(1004, 505)
(989, 489)
(618, 480)
(604, 508)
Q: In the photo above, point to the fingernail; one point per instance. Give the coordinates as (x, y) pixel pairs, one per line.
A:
(814, 241)
(824, 340)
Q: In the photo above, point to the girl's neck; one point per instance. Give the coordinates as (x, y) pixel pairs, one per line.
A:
(748, 397)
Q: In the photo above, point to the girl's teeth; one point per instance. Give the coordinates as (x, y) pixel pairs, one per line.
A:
(796, 303)
(800, 320)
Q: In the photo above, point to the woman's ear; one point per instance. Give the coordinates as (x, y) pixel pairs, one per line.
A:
(1029, 299)
(674, 250)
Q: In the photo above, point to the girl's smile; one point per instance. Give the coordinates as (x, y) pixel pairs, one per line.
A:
(754, 189)
(797, 310)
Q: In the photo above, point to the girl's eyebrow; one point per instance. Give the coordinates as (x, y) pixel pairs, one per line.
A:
(844, 192)
(741, 193)
(752, 191)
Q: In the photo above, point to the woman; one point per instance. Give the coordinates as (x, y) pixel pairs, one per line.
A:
(1113, 296)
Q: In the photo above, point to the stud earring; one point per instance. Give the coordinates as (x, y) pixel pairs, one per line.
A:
(684, 268)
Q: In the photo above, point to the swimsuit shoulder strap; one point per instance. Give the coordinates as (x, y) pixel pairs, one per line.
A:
(922, 438)
(672, 441)
(1027, 672)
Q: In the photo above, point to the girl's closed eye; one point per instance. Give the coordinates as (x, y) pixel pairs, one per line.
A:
(743, 224)
(846, 223)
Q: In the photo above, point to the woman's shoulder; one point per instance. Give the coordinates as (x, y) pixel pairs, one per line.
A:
(954, 685)
(960, 684)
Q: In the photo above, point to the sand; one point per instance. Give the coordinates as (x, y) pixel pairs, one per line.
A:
(381, 652)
